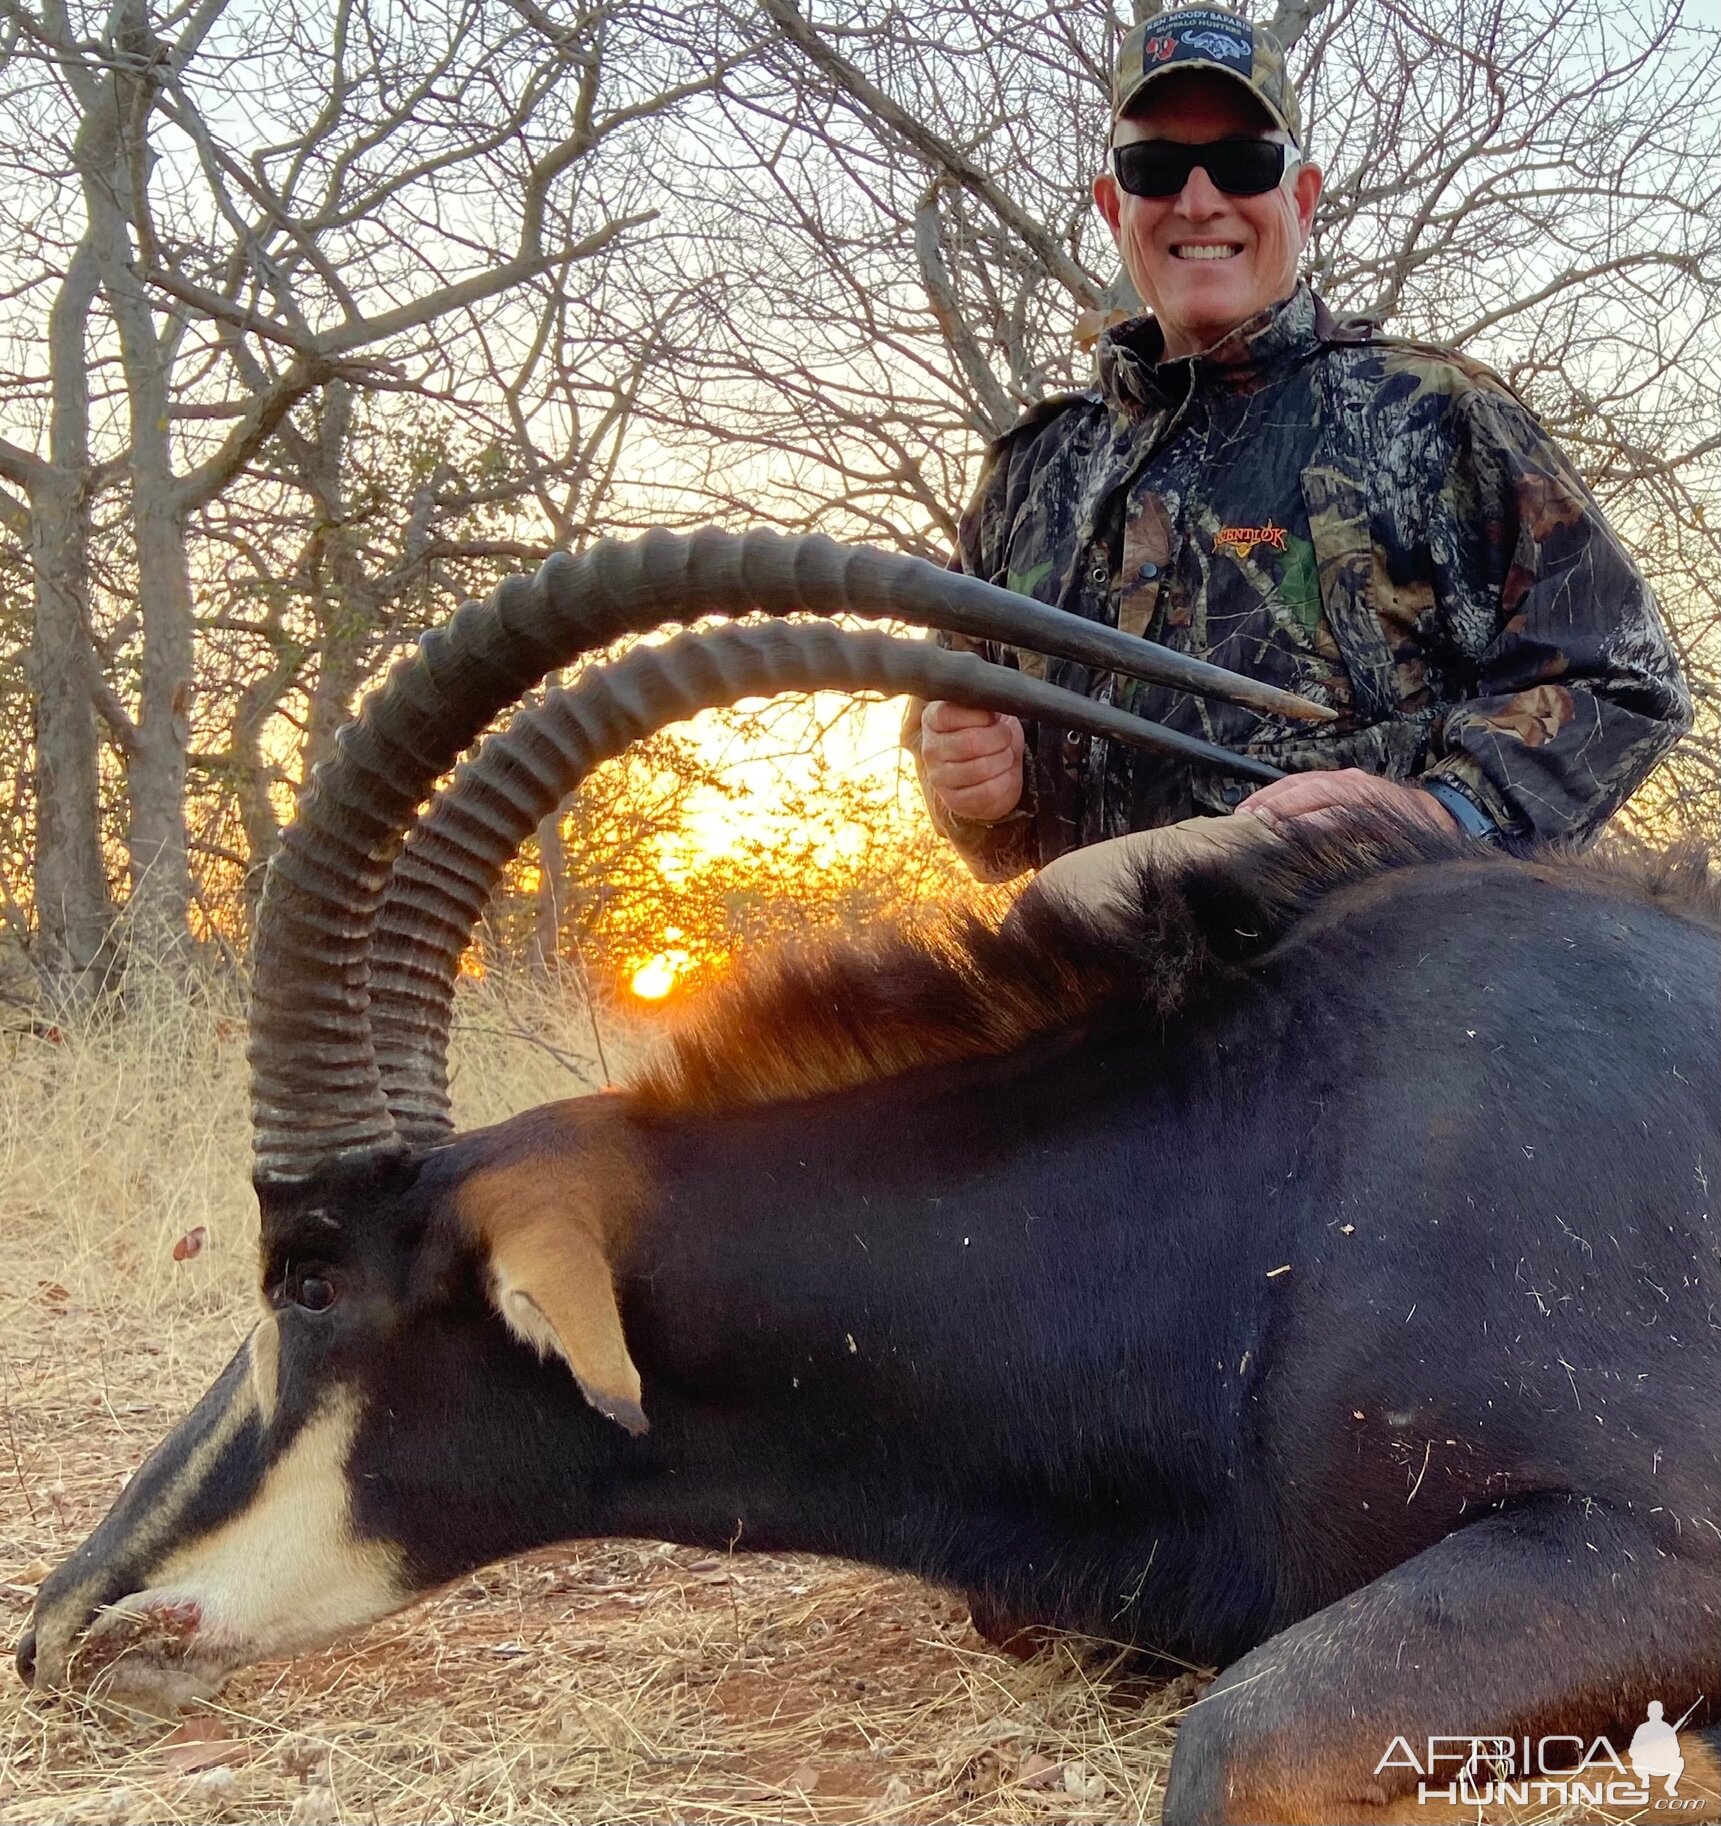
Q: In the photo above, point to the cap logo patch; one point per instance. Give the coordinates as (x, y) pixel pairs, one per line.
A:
(1218, 46)
(1240, 541)
(1208, 38)
(1199, 33)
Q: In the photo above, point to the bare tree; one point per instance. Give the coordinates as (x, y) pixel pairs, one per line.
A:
(334, 194)
(46, 508)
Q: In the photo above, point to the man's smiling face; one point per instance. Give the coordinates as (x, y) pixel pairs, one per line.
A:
(1204, 261)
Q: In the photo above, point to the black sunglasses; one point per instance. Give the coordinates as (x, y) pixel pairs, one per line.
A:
(1239, 167)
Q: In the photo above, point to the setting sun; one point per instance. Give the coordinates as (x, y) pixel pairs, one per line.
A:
(655, 978)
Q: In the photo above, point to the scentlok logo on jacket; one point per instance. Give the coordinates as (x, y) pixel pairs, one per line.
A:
(1240, 541)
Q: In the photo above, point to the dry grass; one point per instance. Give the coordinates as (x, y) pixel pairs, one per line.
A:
(616, 1681)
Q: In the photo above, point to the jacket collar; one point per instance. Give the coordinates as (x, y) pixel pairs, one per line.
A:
(1135, 376)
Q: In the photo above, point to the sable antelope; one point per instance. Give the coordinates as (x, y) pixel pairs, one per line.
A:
(1315, 1274)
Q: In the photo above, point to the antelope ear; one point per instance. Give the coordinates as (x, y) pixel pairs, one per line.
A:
(550, 1280)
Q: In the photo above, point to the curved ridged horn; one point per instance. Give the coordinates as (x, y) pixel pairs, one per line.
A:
(316, 1095)
(474, 828)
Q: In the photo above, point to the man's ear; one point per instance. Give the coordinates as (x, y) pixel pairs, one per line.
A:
(1106, 200)
(1306, 194)
(550, 1278)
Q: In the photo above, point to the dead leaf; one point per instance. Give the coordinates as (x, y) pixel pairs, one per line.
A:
(1082, 1783)
(53, 1296)
(200, 1742)
(1037, 1771)
(1092, 323)
(191, 1243)
(305, 1758)
(34, 1573)
(315, 1807)
(214, 1787)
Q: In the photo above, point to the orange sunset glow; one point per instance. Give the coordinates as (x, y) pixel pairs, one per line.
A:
(736, 833)
(659, 974)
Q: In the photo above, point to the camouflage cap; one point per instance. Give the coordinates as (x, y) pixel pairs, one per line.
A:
(1204, 38)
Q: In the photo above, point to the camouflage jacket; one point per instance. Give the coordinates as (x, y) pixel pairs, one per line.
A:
(1378, 525)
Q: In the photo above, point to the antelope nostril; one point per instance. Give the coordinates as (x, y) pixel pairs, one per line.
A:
(26, 1658)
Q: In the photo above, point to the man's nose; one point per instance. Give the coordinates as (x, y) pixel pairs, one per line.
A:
(1200, 197)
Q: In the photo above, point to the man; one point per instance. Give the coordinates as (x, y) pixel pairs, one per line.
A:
(1378, 525)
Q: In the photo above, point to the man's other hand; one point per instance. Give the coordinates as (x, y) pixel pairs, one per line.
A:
(973, 759)
(1342, 788)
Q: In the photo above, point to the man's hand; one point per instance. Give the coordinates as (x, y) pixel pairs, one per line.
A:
(973, 759)
(1298, 795)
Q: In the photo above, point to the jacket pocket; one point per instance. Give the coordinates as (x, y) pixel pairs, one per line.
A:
(1337, 505)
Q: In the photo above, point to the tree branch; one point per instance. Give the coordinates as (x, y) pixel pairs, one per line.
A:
(1293, 18)
(22, 468)
(113, 713)
(935, 150)
(996, 411)
(262, 415)
(462, 293)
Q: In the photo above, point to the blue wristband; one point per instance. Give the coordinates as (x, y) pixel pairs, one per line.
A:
(1472, 820)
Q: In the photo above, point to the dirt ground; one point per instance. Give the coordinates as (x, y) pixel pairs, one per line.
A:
(618, 1681)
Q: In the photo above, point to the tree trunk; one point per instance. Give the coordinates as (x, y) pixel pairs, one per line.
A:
(546, 951)
(252, 777)
(113, 157)
(74, 915)
(156, 840)
(348, 606)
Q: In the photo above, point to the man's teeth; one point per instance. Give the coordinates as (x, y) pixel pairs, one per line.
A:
(1206, 251)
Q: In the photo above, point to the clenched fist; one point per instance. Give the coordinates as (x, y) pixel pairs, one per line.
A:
(973, 759)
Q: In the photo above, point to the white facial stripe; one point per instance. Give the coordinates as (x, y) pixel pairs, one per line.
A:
(264, 1347)
(189, 1478)
(287, 1572)
(151, 1529)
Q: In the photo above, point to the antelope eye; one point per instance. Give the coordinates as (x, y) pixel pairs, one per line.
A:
(313, 1292)
(316, 1293)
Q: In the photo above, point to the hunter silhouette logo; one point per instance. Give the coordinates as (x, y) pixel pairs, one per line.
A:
(1560, 1770)
(1240, 541)
(1654, 1751)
